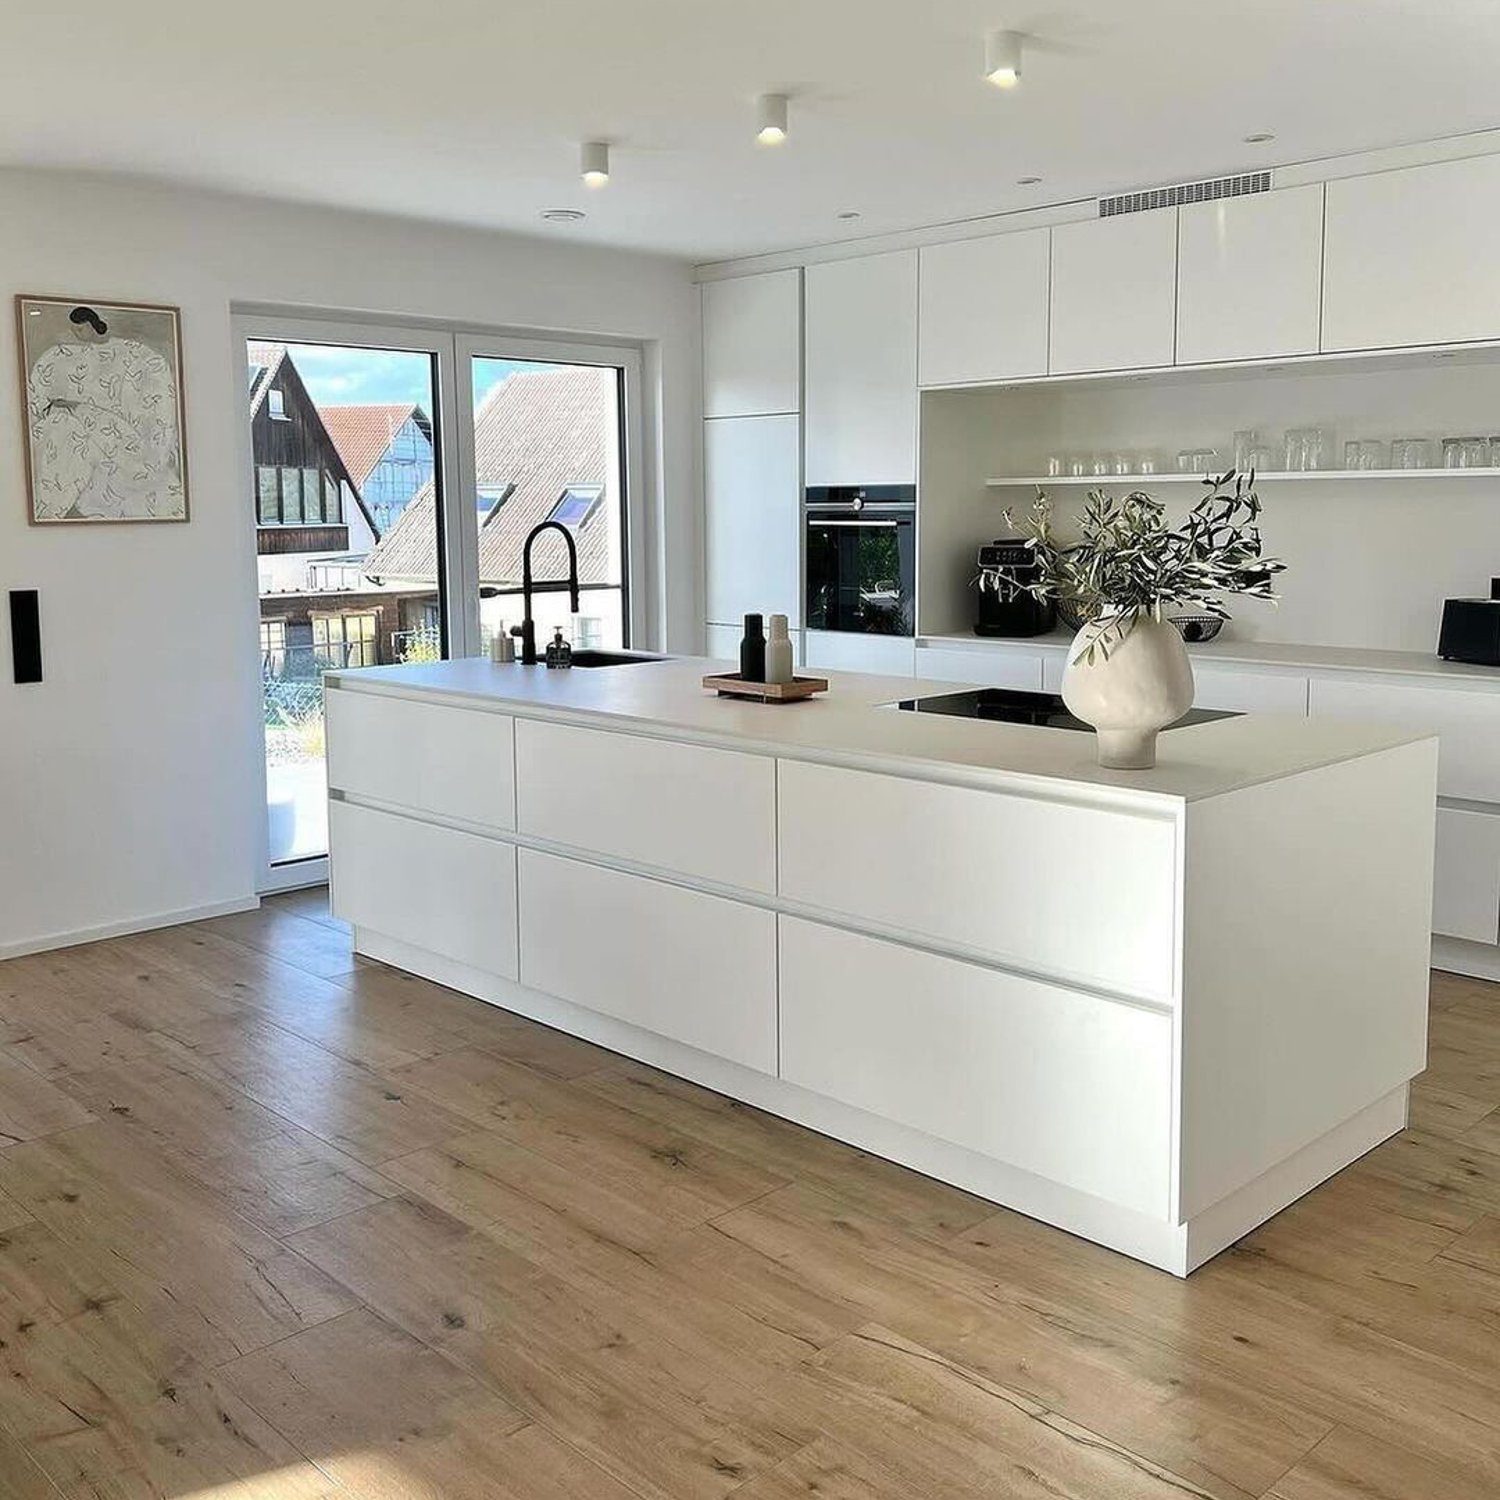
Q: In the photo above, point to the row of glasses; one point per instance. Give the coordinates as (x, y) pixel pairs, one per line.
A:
(1120, 464)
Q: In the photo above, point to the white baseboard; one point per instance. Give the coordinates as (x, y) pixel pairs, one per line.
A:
(1178, 1248)
(79, 935)
(1457, 956)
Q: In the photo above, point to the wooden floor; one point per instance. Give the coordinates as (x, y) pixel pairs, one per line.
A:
(278, 1222)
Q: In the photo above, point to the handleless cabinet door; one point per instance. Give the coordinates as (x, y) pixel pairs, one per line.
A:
(997, 666)
(861, 368)
(847, 651)
(984, 308)
(1410, 256)
(1243, 690)
(1250, 276)
(1114, 292)
(1466, 875)
(752, 345)
(752, 513)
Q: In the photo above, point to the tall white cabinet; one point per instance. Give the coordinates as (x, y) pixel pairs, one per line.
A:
(861, 368)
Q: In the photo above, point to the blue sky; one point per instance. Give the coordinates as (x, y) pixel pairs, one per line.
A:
(335, 376)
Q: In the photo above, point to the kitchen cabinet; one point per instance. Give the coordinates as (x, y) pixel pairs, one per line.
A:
(687, 809)
(1114, 293)
(1410, 256)
(1249, 276)
(983, 308)
(438, 889)
(1466, 879)
(1243, 690)
(843, 651)
(680, 963)
(1004, 666)
(752, 345)
(860, 397)
(752, 517)
(979, 1061)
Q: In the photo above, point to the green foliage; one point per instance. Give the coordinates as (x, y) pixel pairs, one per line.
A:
(1127, 562)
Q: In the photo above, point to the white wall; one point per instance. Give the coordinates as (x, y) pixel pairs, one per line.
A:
(130, 779)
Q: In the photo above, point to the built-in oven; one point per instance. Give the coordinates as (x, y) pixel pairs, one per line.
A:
(862, 558)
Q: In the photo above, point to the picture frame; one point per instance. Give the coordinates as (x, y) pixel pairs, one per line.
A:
(103, 411)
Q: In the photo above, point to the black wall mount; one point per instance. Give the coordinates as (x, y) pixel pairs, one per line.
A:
(25, 635)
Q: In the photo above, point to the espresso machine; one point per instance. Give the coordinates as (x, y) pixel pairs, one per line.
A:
(1006, 565)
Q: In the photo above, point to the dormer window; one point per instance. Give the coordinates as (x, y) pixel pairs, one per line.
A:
(276, 405)
(576, 504)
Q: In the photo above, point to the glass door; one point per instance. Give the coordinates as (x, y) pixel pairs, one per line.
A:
(345, 490)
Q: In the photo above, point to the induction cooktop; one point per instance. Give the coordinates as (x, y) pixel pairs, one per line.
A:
(1016, 706)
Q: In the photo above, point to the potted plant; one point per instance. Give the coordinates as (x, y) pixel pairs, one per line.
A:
(1127, 671)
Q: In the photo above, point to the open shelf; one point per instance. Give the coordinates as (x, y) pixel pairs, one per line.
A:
(1094, 481)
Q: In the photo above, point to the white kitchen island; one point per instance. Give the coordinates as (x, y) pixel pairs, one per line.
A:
(1151, 1008)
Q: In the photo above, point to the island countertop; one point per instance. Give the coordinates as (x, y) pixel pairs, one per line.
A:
(854, 725)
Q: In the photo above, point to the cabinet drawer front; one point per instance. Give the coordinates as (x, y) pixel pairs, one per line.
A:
(1467, 725)
(1001, 666)
(684, 808)
(448, 892)
(1072, 1087)
(840, 651)
(455, 762)
(1248, 692)
(1466, 876)
(1086, 894)
(699, 969)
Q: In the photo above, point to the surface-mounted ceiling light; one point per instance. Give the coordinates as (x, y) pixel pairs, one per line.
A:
(771, 112)
(1002, 58)
(593, 162)
(563, 215)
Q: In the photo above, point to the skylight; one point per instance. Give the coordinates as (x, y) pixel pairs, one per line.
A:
(577, 504)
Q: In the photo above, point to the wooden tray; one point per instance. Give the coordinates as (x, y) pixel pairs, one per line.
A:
(732, 685)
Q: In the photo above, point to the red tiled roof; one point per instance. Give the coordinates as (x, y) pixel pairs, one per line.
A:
(363, 433)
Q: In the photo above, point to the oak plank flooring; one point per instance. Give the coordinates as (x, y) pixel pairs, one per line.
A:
(278, 1222)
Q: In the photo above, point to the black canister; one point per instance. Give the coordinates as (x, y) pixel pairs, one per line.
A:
(753, 650)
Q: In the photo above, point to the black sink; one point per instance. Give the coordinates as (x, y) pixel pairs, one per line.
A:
(588, 657)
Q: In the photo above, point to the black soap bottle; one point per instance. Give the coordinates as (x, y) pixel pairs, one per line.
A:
(753, 651)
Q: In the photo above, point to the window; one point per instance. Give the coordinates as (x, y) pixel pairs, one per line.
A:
(577, 504)
(291, 497)
(345, 640)
(268, 496)
(276, 405)
(312, 507)
(331, 512)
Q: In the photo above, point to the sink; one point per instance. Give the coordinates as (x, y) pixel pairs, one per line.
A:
(587, 657)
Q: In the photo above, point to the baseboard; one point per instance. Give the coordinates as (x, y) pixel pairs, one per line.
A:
(1458, 956)
(105, 930)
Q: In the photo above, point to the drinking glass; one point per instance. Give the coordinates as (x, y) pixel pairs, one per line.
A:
(1078, 466)
(1099, 465)
(1245, 443)
(1146, 463)
(1495, 453)
(1317, 447)
(1411, 453)
(1364, 453)
(1057, 465)
(1465, 452)
(1121, 463)
(1295, 450)
(1264, 459)
(1187, 461)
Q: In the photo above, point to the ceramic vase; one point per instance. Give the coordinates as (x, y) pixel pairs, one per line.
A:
(1129, 695)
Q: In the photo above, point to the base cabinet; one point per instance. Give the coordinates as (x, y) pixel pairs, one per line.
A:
(436, 888)
(1466, 876)
(838, 651)
(1070, 1086)
(699, 969)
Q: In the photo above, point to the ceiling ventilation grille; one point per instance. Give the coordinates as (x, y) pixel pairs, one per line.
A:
(1186, 192)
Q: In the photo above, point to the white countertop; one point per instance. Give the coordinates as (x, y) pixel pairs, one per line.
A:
(1266, 654)
(850, 726)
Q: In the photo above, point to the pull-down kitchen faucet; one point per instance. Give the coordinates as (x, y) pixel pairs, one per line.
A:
(526, 630)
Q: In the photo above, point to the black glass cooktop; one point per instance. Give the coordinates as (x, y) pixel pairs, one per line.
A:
(1015, 706)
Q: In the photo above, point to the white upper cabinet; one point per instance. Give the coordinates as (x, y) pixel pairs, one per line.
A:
(752, 345)
(1249, 276)
(1114, 292)
(752, 504)
(984, 309)
(861, 364)
(1411, 256)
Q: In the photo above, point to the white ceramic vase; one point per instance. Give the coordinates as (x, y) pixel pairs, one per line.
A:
(1130, 695)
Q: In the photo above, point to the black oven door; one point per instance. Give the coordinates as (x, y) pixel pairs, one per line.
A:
(861, 562)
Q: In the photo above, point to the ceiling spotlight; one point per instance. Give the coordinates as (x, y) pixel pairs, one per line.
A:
(1260, 137)
(1002, 58)
(771, 109)
(563, 215)
(593, 161)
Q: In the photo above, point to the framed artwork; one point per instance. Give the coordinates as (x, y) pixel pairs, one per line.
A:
(102, 409)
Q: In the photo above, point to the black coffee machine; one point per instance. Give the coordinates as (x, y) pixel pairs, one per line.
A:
(1005, 608)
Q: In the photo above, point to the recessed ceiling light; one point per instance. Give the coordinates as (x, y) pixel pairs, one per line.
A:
(1002, 58)
(1260, 137)
(1027, 181)
(593, 162)
(849, 215)
(563, 215)
(771, 109)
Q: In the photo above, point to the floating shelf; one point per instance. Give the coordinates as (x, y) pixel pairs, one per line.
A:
(1095, 481)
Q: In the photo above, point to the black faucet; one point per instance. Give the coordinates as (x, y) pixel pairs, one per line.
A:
(526, 630)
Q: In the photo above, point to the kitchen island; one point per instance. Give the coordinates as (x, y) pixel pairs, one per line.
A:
(1150, 1007)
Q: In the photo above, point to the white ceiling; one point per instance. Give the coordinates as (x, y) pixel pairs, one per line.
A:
(472, 110)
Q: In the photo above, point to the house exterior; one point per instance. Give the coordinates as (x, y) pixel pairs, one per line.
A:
(387, 452)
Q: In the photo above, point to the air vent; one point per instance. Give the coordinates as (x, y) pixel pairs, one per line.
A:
(1186, 192)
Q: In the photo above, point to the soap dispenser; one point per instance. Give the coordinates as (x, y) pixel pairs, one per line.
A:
(559, 652)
